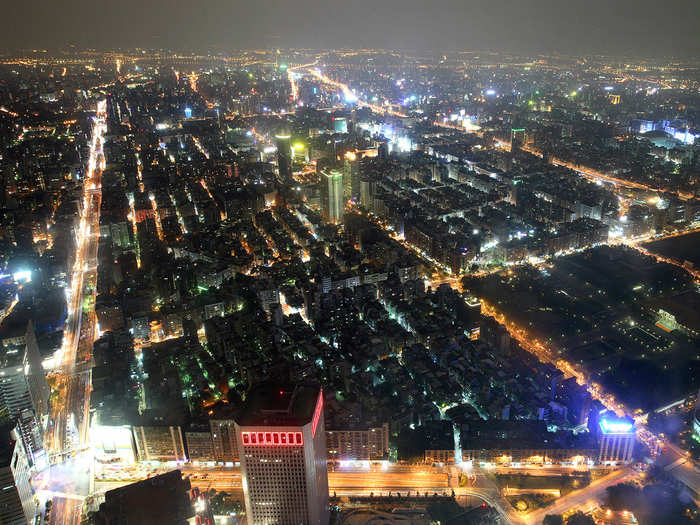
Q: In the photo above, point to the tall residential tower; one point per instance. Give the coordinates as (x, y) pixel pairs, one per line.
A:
(282, 446)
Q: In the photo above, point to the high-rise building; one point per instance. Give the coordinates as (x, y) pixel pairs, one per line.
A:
(617, 438)
(23, 382)
(284, 155)
(518, 138)
(282, 445)
(332, 203)
(17, 504)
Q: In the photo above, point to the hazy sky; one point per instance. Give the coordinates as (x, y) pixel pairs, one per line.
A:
(618, 27)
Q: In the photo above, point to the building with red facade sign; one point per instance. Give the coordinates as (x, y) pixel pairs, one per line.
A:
(282, 447)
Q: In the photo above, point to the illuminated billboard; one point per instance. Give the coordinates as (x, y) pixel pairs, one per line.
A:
(616, 426)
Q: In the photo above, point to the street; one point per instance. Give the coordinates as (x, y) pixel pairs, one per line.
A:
(419, 480)
(68, 422)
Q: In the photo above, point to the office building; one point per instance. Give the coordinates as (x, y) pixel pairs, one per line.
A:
(17, 504)
(359, 445)
(617, 438)
(284, 155)
(282, 444)
(332, 203)
(161, 499)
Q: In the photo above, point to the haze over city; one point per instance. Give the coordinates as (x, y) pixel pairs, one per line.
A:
(637, 28)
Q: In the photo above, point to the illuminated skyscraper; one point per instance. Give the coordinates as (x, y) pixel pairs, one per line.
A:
(282, 445)
(284, 155)
(617, 437)
(332, 203)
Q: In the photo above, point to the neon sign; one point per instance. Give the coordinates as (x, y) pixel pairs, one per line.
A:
(272, 438)
(317, 413)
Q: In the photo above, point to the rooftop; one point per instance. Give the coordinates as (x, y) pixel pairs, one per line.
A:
(274, 404)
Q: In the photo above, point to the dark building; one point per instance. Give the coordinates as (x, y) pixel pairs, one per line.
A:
(153, 501)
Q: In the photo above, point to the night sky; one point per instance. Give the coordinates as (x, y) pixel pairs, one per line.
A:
(650, 28)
